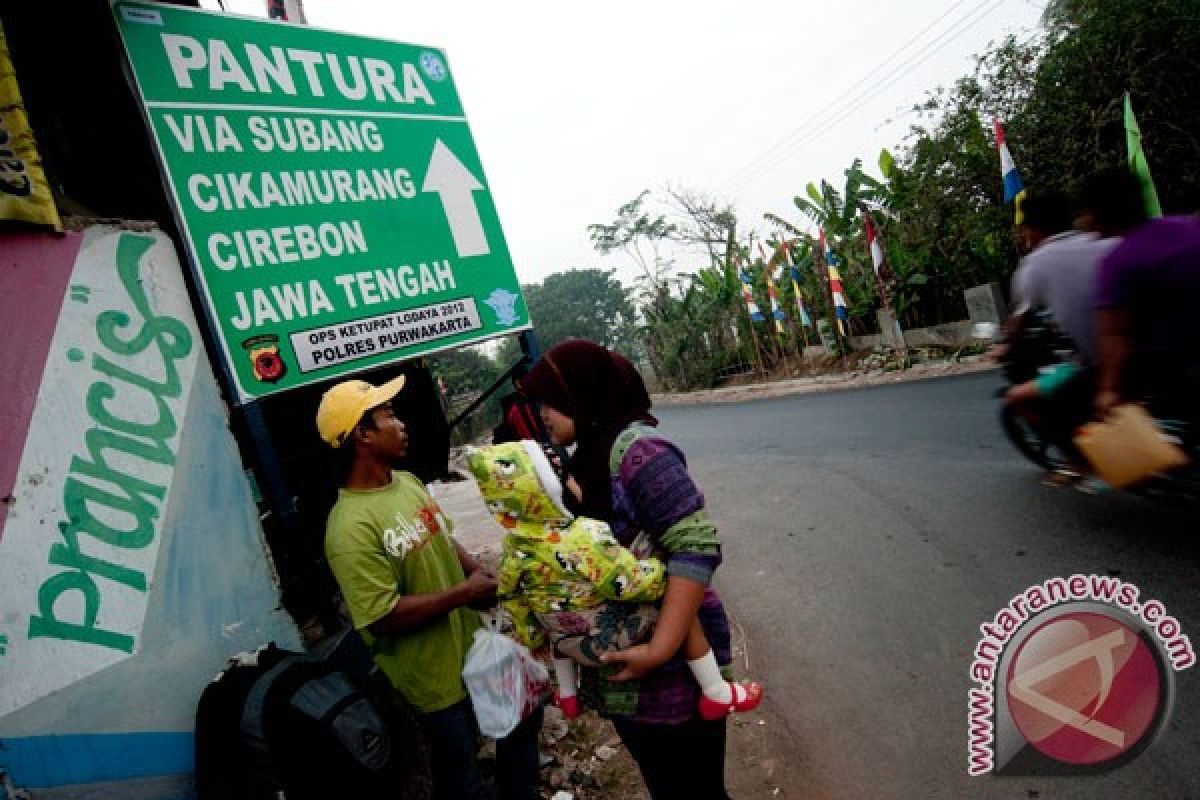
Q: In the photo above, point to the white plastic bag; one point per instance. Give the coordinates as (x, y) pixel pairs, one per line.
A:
(505, 681)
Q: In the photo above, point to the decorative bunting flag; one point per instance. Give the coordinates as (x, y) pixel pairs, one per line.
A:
(1014, 190)
(804, 318)
(776, 312)
(826, 250)
(748, 291)
(835, 284)
(772, 293)
(795, 273)
(839, 298)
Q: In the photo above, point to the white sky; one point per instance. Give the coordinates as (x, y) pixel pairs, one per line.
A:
(575, 108)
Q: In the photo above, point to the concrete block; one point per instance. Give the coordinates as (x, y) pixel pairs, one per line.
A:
(866, 342)
(950, 334)
(827, 336)
(986, 303)
(889, 329)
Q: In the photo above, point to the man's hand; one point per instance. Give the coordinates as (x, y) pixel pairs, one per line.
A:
(413, 611)
(1106, 401)
(481, 589)
(639, 660)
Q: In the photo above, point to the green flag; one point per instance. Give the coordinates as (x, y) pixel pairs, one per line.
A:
(1137, 161)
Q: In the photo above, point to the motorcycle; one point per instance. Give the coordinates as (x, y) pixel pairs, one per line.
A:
(1038, 345)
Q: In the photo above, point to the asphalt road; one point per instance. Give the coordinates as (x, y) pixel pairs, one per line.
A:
(867, 534)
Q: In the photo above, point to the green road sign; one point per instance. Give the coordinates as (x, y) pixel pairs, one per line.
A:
(329, 190)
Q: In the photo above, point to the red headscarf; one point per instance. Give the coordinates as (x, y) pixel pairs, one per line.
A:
(603, 393)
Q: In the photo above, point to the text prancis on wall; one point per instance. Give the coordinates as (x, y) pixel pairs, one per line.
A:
(116, 486)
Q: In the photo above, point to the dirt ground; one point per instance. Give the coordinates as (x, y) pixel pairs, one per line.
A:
(591, 764)
(751, 388)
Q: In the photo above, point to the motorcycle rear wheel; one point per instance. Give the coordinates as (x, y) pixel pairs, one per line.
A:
(1029, 442)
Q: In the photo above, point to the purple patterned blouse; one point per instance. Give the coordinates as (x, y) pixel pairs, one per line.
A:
(653, 493)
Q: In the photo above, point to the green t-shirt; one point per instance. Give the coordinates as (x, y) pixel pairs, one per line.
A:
(393, 541)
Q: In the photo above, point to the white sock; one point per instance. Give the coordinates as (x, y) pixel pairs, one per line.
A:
(564, 673)
(712, 682)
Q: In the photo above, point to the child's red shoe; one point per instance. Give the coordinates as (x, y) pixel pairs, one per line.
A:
(746, 697)
(569, 706)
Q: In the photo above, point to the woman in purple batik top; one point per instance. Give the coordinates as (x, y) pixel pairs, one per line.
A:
(658, 694)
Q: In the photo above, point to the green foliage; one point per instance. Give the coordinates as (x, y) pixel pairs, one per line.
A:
(688, 323)
(839, 215)
(466, 372)
(951, 229)
(1059, 97)
(578, 304)
(582, 304)
(887, 163)
(633, 231)
(466, 369)
(1072, 122)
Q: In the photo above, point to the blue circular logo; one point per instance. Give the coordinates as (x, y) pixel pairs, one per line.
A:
(433, 66)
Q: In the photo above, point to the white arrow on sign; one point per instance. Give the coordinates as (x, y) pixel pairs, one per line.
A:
(456, 185)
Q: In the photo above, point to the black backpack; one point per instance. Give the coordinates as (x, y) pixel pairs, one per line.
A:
(291, 727)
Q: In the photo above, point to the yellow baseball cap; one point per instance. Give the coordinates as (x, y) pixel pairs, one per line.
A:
(343, 405)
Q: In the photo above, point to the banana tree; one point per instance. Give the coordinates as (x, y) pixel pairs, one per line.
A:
(838, 212)
(839, 215)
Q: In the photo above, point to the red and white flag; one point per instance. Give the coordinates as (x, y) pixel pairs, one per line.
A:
(873, 242)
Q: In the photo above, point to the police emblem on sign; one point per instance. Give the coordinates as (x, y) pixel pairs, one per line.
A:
(263, 351)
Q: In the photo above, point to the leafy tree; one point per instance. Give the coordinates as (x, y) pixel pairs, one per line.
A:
(582, 304)
(465, 373)
(951, 228)
(1072, 122)
(839, 215)
(639, 234)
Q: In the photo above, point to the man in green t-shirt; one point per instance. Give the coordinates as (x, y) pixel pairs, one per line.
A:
(412, 591)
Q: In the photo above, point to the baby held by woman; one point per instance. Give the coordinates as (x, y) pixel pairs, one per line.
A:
(568, 584)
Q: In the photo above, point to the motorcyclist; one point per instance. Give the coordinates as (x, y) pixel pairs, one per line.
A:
(1148, 342)
(1058, 276)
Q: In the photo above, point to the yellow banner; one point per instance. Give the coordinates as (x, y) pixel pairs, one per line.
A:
(24, 193)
